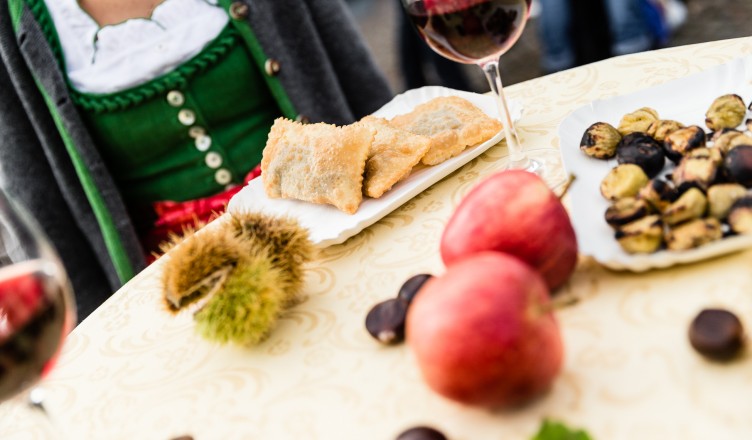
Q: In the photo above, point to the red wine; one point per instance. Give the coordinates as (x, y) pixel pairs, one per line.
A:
(33, 323)
(470, 31)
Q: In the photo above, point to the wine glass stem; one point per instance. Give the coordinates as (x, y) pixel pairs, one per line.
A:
(517, 158)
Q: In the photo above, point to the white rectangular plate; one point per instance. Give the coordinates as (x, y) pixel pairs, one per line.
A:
(326, 224)
(685, 100)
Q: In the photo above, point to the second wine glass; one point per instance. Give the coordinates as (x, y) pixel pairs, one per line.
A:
(37, 309)
(478, 32)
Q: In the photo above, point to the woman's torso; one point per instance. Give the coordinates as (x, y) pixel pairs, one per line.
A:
(174, 102)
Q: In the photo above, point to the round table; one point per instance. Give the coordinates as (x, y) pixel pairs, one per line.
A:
(133, 371)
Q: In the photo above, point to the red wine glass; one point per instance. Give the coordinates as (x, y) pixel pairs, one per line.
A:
(36, 305)
(477, 32)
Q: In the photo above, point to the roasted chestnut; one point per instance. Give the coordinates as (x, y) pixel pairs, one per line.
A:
(731, 139)
(623, 181)
(690, 205)
(697, 169)
(715, 155)
(659, 194)
(744, 139)
(713, 136)
(642, 150)
(626, 210)
(693, 233)
(643, 236)
(661, 128)
(740, 215)
(738, 165)
(680, 142)
(600, 140)
(638, 120)
(727, 111)
(722, 196)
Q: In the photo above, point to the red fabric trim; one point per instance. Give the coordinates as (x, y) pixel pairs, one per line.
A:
(176, 217)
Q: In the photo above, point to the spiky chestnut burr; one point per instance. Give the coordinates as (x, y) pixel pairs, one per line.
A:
(239, 275)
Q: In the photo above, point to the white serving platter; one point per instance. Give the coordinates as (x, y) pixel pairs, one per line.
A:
(329, 226)
(685, 100)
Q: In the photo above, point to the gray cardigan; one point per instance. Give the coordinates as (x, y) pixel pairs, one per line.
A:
(49, 163)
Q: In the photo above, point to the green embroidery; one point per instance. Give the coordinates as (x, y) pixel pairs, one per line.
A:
(179, 78)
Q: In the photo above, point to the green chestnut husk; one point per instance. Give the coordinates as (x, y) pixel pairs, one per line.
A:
(238, 276)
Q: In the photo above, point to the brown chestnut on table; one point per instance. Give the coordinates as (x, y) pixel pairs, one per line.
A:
(717, 334)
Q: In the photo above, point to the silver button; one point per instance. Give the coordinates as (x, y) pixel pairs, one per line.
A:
(175, 98)
(213, 160)
(196, 132)
(186, 117)
(203, 143)
(222, 176)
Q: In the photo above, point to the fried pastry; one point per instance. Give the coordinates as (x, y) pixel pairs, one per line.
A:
(452, 123)
(393, 155)
(318, 163)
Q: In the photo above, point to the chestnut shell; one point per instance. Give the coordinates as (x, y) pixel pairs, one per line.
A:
(681, 141)
(643, 151)
(738, 165)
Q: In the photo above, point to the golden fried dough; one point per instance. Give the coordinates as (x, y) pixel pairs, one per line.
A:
(318, 163)
(393, 155)
(452, 123)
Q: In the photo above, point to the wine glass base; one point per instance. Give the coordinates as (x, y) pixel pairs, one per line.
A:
(545, 162)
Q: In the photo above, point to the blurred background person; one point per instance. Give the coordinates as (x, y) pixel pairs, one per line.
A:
(576, 32)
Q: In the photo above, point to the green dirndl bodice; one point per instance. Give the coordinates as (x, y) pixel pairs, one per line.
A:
(187, 134)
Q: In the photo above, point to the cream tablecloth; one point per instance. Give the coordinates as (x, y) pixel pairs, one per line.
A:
(131, 371)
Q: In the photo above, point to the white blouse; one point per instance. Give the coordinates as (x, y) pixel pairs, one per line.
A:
(116, 57)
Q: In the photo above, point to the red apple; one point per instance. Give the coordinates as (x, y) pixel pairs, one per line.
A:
(484, 334)
(514, 212)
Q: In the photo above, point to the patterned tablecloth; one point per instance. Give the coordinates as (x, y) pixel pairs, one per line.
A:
(131, 371)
